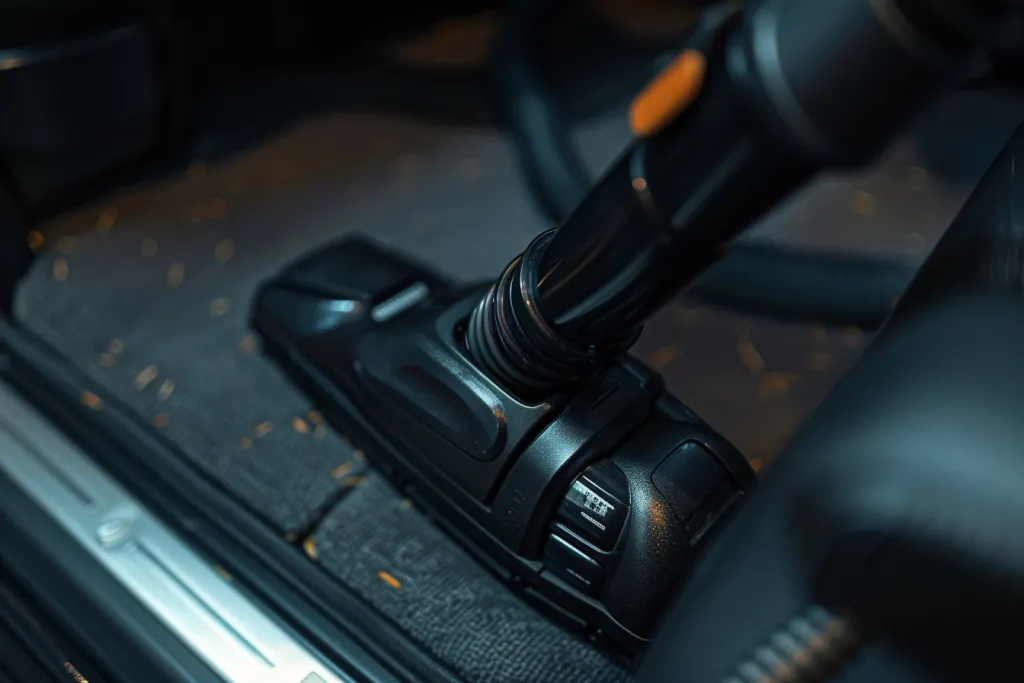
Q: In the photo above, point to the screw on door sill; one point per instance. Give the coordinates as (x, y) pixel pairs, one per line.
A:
(115, 531)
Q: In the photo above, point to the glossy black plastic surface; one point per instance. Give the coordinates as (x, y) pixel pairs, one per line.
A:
(791, 87)
(508, 477)
(657, 218)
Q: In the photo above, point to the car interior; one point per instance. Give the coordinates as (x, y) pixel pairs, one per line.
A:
(597, 341)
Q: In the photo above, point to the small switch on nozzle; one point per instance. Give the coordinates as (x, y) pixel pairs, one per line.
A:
(573, 566)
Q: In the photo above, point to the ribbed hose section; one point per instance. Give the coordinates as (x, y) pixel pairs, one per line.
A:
(508, 338)
(806, 650)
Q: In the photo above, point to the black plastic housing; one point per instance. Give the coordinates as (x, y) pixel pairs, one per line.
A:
(378, 342)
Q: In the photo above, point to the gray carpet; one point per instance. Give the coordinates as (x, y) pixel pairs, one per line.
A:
(148, 291)
(456, 608)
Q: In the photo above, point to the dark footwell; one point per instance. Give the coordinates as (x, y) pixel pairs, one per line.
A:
(149, 292)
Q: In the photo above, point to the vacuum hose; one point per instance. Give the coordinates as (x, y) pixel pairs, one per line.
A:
(761, 101)
(768, 279)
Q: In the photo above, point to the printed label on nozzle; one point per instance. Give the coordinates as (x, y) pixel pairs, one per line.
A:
(592, 503)
(595, 517)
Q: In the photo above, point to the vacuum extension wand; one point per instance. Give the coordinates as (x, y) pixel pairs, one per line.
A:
(762, 100)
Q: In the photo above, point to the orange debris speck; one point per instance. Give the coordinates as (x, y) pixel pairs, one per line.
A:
(389, 580)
